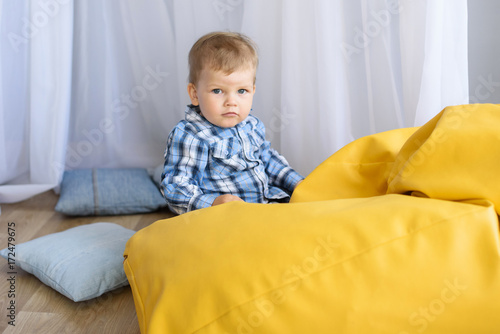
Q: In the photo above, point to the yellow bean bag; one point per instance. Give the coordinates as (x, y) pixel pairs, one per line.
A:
(386, 236)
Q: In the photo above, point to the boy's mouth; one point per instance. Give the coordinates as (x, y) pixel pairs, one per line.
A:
(230, 114)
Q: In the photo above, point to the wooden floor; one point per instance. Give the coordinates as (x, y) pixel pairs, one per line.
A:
(40, 309)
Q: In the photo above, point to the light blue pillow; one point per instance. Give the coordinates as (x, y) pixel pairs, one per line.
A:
(81, 263)
(113, 191)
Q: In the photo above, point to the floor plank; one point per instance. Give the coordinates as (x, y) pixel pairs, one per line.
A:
(40, 309)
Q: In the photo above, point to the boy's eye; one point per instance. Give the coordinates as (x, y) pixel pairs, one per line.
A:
(216, 91)
(242, 91)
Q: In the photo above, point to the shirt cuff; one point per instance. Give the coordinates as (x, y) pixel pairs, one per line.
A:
(292, 179)
(201, 201)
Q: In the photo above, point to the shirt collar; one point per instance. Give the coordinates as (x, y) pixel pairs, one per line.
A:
(193, 114)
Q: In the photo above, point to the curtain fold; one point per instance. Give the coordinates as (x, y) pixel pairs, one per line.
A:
(101, 83)
(434, 56)
(35, 118)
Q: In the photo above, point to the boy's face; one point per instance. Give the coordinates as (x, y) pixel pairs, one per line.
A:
(224, 100)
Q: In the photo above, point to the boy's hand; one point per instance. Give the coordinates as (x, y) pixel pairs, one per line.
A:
(225, 199)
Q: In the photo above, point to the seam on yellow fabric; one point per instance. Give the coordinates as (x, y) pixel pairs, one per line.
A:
(360, 163)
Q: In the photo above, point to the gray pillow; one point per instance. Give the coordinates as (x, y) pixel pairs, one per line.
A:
(81, 263)
(113, 191)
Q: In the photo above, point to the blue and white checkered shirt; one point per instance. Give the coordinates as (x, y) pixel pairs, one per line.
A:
(204, 161)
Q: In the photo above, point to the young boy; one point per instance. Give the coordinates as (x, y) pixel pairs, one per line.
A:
(219, 153)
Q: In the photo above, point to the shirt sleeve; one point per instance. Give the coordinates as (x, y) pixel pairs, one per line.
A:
(185, 161)
(278, 169)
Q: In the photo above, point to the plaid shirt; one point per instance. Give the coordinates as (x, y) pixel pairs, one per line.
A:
(203, 161)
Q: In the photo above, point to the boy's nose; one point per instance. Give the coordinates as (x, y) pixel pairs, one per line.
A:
(230, 101)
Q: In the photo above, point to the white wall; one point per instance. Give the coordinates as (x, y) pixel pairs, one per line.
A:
(484, 51)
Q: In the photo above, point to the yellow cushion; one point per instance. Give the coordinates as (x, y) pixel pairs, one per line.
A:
(455, 156)
(387, 264)
(361, 258)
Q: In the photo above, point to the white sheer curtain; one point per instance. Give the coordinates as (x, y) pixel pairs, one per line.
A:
(101, 83)
(35, 95)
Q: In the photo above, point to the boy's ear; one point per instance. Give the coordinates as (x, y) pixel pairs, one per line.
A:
(193, 95)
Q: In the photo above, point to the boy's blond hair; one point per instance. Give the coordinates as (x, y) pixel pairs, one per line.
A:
(222, 51)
